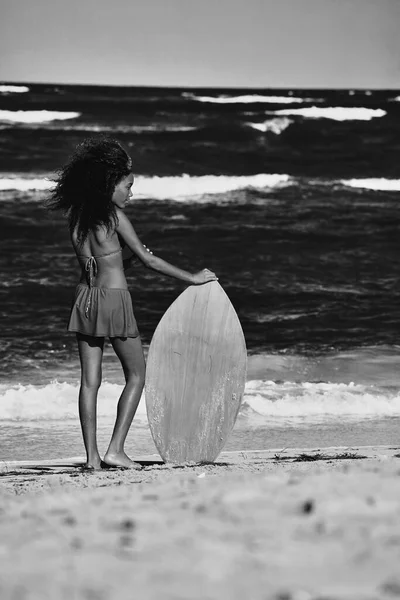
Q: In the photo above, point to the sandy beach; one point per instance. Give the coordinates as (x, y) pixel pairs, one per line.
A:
(296, 524)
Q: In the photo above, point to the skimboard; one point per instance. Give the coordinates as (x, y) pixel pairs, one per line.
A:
(195, 375)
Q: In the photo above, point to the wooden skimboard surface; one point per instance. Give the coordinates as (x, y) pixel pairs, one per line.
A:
(195, 376)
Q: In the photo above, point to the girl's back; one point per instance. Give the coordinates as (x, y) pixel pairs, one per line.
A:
(100, 258)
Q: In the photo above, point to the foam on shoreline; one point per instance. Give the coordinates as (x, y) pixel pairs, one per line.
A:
(287, 402)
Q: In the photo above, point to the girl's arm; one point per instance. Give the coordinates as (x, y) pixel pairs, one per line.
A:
(128, 234)
(129, 258)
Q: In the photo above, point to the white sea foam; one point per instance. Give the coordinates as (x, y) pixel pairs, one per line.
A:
(196, 187)
(176, 188)
(13, 89)
(35, 116)
(273, 125)
(378, 183)
(397, 99)
(24, 184)
(263, 401)
(246, 99)
(323, 400)
(337, 113)
(55, 401)
(185, 186)
(64, 125)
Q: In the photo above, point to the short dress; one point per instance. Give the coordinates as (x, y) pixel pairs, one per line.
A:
(99, 311)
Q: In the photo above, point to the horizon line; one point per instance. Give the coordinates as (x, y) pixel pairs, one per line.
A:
(176, 87)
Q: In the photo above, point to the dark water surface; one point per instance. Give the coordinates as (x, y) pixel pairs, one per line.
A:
(291, 197)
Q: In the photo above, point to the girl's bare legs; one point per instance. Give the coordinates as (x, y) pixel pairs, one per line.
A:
(130, 353)
(90, 354)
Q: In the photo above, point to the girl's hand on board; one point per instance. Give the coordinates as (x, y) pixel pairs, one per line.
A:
(204, 276)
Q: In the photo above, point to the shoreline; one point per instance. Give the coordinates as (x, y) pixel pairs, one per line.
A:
(227, 457)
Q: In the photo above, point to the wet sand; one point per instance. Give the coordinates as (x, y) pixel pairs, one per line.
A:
(254, 525)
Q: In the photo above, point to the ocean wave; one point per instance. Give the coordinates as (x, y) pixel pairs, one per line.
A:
(13, 89)
(156, 128)
(318, 400)
(55, 401)
(164, 188)
(57, 124)
(196, 187)
(247, 99)
(25, 184)
(396, 99)
(378, 183)
(263, 400)
(371, 366)
(336, 113)
(272, 125)
(35, 116)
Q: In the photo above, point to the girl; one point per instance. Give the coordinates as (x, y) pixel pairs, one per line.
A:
(92, 189)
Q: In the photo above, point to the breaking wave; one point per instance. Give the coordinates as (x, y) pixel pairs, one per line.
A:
(197, 187)
(337, 113)
(187, 186)
(35, 116)
(272, 125)
(247, 99)
(263, 400)
(319, 400)
(164, 188)
(55, 401)
(24, 184)
(378, 183)
(13, 89)
(65, 125)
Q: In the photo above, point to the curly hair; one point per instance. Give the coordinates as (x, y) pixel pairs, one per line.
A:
(85, 185)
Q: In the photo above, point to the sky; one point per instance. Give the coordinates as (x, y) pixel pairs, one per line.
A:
(204, 43)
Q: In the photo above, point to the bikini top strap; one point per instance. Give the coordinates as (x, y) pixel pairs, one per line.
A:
(91, 269)
(99, 255)
(91, 264)
(108, 254)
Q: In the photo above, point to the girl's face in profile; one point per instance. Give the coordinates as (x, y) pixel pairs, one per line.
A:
(123, 191)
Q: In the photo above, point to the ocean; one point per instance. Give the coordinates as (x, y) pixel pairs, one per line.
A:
(290, 196)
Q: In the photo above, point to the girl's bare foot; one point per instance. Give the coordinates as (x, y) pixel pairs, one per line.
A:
(121, 460)
(93, 463)
(91, 466)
